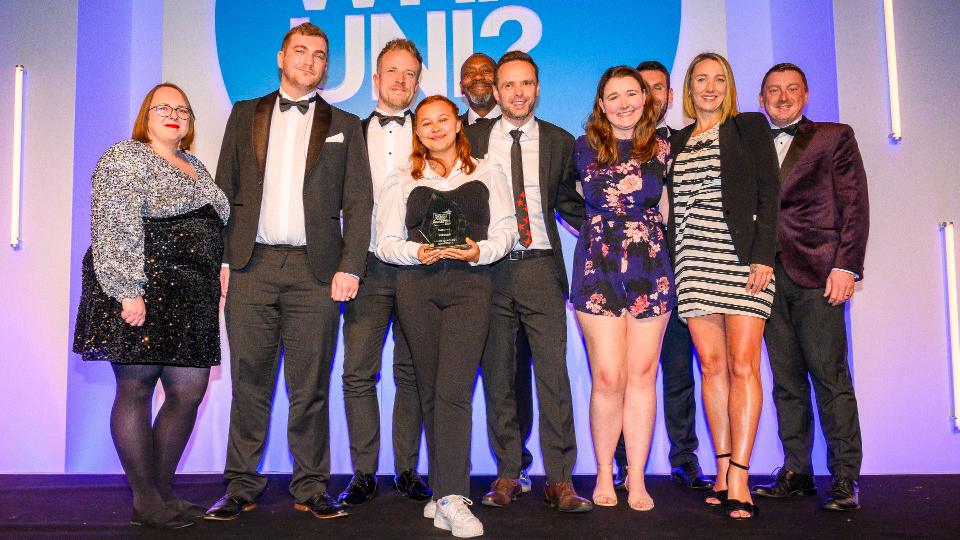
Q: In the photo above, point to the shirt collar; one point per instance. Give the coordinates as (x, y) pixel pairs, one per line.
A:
(308, 95)
(772, 126)
(430, 174)
(530, 128)
(472, 116)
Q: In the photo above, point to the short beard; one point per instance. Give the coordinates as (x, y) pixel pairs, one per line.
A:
(397, 105)
(480, 100)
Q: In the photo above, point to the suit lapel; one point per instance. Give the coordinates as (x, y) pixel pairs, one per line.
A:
(801, 140)
(546, 157)
(260, 134)
(365, 125)
(318, 134)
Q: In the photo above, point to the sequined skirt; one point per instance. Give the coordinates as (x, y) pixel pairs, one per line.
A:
(182, 256)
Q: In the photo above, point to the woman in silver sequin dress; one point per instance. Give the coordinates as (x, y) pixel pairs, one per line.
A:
(150, 295)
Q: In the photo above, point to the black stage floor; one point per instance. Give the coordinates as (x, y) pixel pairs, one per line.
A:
(97, 506)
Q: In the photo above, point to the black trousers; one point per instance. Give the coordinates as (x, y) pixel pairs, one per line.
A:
(679, 398)
(527, 294)
(807, 341)
(365, 322)
(444, 310)
(275, 305)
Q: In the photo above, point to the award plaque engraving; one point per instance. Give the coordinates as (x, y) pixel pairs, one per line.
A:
(445, 224)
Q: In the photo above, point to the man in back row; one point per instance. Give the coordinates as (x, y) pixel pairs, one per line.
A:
(676, 354)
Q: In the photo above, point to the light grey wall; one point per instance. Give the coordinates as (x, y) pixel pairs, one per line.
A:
(35, 279)
(899, 329)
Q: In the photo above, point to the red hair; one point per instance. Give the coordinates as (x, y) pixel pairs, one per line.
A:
(421, 155)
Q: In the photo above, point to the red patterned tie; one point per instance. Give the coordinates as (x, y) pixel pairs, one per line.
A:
(519, 195)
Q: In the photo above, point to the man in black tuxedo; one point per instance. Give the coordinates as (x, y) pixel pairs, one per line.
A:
(476, 85)
(529, 286)
(388, 133)
(821, 243)
(290, 164)
(676, 354)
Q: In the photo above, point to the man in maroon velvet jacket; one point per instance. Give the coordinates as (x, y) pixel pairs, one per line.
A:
(824, 220)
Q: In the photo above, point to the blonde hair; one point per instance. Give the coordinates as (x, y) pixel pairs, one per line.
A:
(729, 107)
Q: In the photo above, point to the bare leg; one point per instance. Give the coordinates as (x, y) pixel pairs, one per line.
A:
(607, 349)
(708, 333)
(744, 339)
(644, 337)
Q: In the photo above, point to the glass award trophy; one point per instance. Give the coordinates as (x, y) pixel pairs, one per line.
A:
(444, 223)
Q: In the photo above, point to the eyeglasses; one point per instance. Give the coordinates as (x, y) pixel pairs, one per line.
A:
(166, 111)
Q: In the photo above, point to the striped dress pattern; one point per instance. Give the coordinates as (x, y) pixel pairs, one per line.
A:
(709, 276)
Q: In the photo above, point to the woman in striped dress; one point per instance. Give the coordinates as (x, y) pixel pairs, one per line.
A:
(723, 221)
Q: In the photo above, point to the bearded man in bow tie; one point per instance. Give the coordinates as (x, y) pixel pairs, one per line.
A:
(388, 133)
(290, 165)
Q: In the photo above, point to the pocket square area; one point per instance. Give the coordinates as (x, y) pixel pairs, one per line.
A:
(335, 138)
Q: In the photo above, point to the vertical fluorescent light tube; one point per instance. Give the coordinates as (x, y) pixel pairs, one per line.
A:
(896, 132)
(16, 175)
(950, 264)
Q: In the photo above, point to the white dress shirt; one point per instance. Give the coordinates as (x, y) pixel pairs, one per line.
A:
(782, 141)
(472, 115)
(392, 244)
(389, 147)
(281, 209)
(501, 143)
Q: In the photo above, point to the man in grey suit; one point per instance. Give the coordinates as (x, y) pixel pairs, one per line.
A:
(290, 164)
(529, 286)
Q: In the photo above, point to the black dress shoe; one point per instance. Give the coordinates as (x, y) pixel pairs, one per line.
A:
(844, 497)
(411, 486)
(362, 488)
(167, 518)
(228, 508)
(187, 509)
(322, 506)
(689, 475)
(787, 484)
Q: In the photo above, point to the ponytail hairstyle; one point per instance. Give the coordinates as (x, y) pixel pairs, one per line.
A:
(600, 133)
(421, 155)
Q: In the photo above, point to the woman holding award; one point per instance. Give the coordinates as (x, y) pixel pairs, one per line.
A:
(444, 217)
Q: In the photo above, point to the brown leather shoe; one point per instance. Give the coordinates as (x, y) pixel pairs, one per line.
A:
(564, 498)
(502, 492)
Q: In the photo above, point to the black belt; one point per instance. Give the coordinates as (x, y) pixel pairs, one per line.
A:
(521, 254)
(281, 247)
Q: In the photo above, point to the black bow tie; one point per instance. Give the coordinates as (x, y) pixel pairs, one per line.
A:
(386, 119)
(790, 130)
(303, 105)
(481, 120)
(664, 133)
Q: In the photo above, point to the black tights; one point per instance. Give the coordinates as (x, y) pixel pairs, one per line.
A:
(150, 454)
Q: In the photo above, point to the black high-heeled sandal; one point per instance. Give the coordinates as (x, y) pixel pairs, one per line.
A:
(733, 505)
(720, 495)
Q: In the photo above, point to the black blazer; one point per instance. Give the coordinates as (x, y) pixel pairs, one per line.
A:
(337, 178)
(750, 186)
(556, 157)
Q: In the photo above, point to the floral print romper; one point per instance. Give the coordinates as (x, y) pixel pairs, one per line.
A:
(621, 260)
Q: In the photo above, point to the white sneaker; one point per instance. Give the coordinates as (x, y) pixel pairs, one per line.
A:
(430, 510)
(525, 483)
(454, 516)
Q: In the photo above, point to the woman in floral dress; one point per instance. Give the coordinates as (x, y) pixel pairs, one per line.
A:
(622, 278)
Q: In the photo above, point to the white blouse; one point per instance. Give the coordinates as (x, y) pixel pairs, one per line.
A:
(392, 244)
